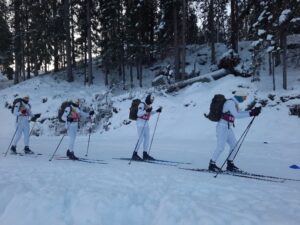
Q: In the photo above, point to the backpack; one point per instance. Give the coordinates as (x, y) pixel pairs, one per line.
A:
(216, 107)
(17, 100)
(61, 110)
(134, 109)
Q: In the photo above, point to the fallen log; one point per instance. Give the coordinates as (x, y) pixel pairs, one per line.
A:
(202, 78)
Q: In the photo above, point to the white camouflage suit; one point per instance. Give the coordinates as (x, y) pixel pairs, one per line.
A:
(75, 113)
(143, 126)
(22, 121)
(224, 129)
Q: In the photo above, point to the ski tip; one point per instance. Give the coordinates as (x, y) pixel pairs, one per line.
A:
(295, 167)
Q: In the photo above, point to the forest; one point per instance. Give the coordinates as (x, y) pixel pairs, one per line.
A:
(123, 36)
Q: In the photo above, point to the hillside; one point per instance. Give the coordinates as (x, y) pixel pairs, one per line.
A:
(35, 191)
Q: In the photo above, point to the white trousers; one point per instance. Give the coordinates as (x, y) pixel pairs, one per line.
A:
(72, 131)
(224, 135)
(143, 135)
(22, 126)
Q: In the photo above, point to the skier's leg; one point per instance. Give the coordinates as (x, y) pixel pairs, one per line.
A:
(26, 129)
(72, 130)
(146, 138)
(140, 130)
(222, 132)
(231, 140)
(18, 134)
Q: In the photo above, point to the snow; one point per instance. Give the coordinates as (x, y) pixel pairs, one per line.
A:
(2, 77)
(261, 16)
(284, 15)
(270, 49)
(269, 37)
(256, 43)
(35, 191)
(261, 32)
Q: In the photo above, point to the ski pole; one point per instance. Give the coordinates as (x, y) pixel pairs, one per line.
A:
(11, 141)
(57, 147)
(241, 139)
(138, 141)
(87, 149)
(32, 128)
(242, 142)
(90, 131)
(153, 133)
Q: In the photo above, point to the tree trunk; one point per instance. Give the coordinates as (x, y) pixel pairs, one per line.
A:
(131, 75)
(70, 77)
(106, 76)
(71, 21)
(234, 26)
(90, 70)
(183, 44)
(17, 42)
(141, 72)
(55, 44)
(85, 62)
(203, 78)
(176, 44)
(212, 33)
(123, 74)
(284, 64)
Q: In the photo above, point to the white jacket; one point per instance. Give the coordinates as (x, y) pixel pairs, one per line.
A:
(143, 116)
(19, 107)
(231, 107)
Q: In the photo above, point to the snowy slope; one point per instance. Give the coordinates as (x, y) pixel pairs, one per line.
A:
(35, 191)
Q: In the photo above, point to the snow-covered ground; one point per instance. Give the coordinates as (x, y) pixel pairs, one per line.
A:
(35, 191)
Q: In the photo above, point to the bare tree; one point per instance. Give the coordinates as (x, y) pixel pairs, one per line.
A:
(70, 77)
(90, 70)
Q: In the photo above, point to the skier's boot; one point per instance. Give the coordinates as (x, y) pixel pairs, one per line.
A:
(70, 155)
(13, 150)
(146, 156)
(213, 167)
(27, 150)
(231, 167)
(136, 157)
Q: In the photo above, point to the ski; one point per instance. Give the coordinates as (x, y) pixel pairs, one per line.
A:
(170, 161)
(265, 176)
(34, 155)
(247, 176)
(81, 160)
(148, 161)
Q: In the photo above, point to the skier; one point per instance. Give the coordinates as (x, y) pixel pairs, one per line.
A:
(71, 116)
(22, 111)
(224, 128)
(143, 115)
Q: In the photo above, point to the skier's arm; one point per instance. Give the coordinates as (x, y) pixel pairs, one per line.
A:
(141, 110)
(16, 109)
(233, 111)
(66, 113)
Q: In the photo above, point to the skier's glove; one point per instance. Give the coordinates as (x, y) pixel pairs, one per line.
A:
(70, 120)
(159, 110)
(91, 113)
(255, 112)
(149, 110)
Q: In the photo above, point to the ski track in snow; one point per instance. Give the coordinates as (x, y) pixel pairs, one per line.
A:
(67, 192)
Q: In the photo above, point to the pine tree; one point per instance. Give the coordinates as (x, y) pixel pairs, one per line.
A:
(5, 37)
